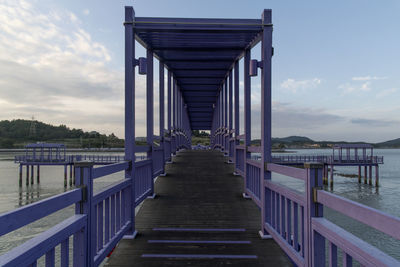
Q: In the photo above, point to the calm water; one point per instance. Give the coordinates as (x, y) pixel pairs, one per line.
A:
(385, 198)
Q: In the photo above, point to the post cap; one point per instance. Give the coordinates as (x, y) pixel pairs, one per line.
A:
(313, 165)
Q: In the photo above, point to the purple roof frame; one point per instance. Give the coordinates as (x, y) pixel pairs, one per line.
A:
(200, 53)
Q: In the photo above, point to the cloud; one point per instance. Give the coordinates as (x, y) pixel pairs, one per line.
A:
(296, 85)
(86, 12)
(368, 78)
(374, 123)
(51, 67)
(386, 92)
(350, 88)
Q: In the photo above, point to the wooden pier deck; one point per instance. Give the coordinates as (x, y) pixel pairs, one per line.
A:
(199, 218)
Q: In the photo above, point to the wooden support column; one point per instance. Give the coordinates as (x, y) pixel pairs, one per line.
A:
(129, 114)
(230, 154)
(359, 174)
(377, 175)
(65, 175)
(27, 174)
(365, 175)
(169, 112)
(20, 175)
(32, 173)
(38, 174)
(225, 87)
(331, 184)
(247, 114)
(237, 126)
(370, 175)
(266, 103)
(162, 110)
(150, 111)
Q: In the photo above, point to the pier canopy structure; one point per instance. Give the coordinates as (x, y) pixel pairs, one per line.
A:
(199, 211)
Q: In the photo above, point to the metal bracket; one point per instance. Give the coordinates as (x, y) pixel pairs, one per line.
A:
(315, 193)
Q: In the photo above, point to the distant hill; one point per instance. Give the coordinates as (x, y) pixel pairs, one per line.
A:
(292, 139)
(17, 133)
(395, 143)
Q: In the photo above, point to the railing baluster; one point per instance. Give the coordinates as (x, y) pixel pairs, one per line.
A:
(118, 213)
(50, 259)
(65, 253)
(347, 260)
(100, 226)
(107, 220)
(112, 216)
(283, 217)
(288, 221)
(332, 255)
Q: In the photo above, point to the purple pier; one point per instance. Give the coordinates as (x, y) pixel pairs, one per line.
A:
(197, 216)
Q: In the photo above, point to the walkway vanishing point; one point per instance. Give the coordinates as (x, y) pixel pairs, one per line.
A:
(198, 218)
(201, 57)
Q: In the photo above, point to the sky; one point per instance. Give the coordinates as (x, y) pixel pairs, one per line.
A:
(335, 71)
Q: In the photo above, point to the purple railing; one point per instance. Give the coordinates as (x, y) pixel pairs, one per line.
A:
(143, 180)
(167, 149)
(253, 180)
(231, 149)
(296, 222)
(325, 159)
(158, 161)
(239, 164)
(101, 159)
(100, 221)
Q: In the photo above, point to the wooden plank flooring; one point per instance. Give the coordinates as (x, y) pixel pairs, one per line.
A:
(199, 218)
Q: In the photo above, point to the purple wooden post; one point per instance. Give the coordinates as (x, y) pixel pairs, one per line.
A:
(314, 250)
(150, 111)
(370, 175)
(226, 116)
(247, 114)
(85, 246)
(169, 113)
(162, 110)
(174, 115)
(237, 126)
(266, 102)
(365, 174)
(130, 111)
(230, 115)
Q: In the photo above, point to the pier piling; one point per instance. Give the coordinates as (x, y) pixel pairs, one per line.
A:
(65, 175)
(359, 174)
(20, 175)
(38, 174)
(27, 175)
(365, 175)
(376, 175)
(70, 175)
(32, 174)
(370, 175)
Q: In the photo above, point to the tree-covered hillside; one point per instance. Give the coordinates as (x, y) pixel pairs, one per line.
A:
(17, 133)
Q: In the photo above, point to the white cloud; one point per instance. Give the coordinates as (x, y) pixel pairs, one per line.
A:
(295, 86)
(350, 88)
(368, 78)
(51, 67)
